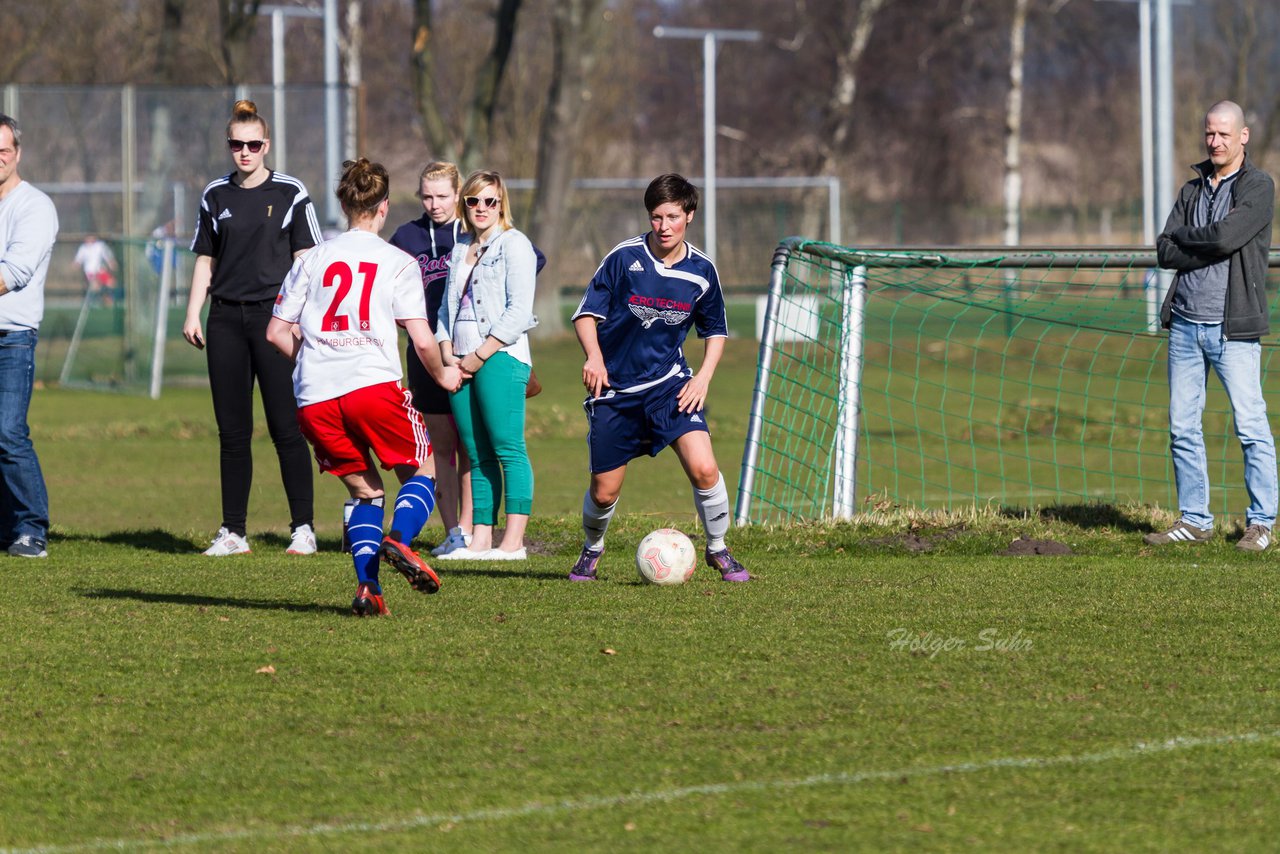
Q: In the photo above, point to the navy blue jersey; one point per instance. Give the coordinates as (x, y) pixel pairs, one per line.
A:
(431, 245)
(645, 311)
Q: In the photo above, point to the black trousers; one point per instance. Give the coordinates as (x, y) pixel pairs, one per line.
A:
(238, 353)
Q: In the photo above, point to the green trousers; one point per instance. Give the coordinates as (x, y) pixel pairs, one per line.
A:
(489, 411)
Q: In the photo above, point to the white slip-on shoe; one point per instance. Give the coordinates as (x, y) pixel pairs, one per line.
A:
(499, 554)
(462, 554)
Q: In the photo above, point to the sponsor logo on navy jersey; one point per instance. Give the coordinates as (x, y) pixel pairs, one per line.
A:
(652, 309)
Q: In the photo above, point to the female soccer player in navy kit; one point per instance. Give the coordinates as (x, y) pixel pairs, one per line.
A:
(642, 394)
(337, 315)
(253, 223)
(430, 239)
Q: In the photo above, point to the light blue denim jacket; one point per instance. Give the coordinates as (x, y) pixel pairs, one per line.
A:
(501, 287)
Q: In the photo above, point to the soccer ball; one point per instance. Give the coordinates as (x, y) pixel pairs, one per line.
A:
(666, 556)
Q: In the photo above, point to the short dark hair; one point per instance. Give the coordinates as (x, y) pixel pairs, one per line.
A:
(671, 188)
(12, 124)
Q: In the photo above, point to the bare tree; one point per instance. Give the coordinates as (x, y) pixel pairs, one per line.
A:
(1013, 126)
(237, 19)
(160, 167)
(478, 122)
(838, 116)
(575, 45)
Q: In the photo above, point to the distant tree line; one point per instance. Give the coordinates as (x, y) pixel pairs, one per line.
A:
(904, 100)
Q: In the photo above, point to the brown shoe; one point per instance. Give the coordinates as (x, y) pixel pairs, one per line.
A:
(1179, 533)
(1256, 539)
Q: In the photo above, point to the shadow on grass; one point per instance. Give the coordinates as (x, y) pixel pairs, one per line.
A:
(447, 568)
(1085, 516)
(157, 540)
(212, 601)
(153, 540)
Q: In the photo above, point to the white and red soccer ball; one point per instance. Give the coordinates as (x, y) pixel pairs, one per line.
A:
(666, 556)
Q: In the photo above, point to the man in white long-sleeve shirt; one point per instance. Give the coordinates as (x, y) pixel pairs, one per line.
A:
(28, 227)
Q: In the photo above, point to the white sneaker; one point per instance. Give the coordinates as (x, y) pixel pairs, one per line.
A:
(455, 540)
(499, 554)
(303, 541)
(227, 543)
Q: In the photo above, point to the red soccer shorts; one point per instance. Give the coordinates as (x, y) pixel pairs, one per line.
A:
(378, 418)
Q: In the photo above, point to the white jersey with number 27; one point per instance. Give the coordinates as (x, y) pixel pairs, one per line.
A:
(346, 295)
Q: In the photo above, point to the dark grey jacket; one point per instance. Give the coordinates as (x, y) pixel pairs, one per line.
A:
(1243, 235)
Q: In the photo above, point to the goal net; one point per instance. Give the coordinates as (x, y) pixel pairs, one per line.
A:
(943, 379)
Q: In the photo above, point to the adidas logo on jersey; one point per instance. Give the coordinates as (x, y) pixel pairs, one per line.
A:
(403, 503)
(226, 214)
(695, 418)
(366, 550)
(636, 266)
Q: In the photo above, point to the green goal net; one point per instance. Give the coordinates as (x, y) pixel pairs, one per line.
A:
(944, 379)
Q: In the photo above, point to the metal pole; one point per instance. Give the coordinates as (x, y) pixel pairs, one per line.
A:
(1163, 121)
(709, 138)
(833, 210)
(333, 137)
(845, 465)
(1163, 114)
(128, 270)
(162, 318)
(279, 14)
(708, 38)
(755, 420)
(277, 88)
(1148, 172)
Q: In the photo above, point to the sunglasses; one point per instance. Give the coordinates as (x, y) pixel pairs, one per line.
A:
(474, 202)
(254, 145)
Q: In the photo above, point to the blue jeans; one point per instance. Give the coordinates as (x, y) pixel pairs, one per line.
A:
(24, 504)
(1193, 349)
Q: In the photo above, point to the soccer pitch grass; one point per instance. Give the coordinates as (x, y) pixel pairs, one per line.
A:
(891, 684)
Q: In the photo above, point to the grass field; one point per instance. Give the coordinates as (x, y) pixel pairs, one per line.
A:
(897, 683)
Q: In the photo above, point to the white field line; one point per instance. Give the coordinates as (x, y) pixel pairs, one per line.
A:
(1134, 751)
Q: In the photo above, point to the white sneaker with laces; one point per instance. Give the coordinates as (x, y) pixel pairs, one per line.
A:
(227, 543)
(455, 540)
(303, 541)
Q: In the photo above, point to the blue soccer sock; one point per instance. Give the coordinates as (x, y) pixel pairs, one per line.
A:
(365, 533)
(414, 504)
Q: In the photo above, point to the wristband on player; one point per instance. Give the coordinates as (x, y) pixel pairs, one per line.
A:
(478, 356)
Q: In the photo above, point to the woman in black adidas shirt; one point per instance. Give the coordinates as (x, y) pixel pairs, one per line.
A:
(252, 224)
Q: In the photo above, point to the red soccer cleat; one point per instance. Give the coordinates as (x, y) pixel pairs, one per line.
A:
(406, 561)
(368, 604)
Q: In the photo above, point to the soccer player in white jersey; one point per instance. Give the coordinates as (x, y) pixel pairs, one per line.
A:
(337, 316)
(641, 393)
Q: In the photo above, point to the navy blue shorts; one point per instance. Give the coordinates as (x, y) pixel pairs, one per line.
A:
(621, 427)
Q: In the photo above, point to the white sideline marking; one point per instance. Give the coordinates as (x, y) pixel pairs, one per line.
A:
(1138, 750)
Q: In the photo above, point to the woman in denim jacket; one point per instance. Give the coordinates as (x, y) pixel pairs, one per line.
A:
(483, 325)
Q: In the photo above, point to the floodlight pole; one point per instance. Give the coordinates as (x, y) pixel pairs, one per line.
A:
(1157, 140)
(708, 38)
(278, 14)
(333, 139)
